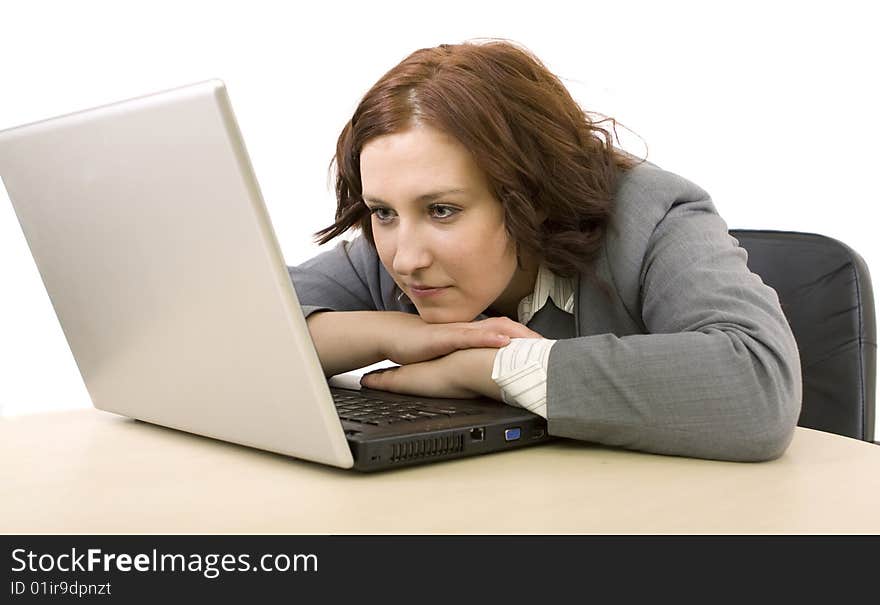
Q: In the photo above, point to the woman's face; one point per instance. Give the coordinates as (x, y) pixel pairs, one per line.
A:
(437, 225)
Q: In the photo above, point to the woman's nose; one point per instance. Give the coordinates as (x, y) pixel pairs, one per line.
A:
(411, 253)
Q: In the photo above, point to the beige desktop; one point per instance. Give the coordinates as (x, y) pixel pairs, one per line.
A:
(88, 471)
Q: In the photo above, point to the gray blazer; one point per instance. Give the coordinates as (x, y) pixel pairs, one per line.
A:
(691, 357)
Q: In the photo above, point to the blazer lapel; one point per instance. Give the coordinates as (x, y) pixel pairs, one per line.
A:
(552, 322)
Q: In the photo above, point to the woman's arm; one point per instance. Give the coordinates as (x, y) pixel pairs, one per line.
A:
(346, 340)
(719, 374)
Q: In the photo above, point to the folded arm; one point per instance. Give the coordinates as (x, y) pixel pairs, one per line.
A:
(718, 376)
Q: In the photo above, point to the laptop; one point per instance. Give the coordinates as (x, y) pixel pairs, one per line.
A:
(152, 239)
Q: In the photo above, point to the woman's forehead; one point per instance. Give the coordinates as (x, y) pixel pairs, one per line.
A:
(417, 163)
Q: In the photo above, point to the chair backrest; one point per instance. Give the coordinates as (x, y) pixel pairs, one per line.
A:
(825, 291)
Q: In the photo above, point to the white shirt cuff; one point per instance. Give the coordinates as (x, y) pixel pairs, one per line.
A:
(520, 371)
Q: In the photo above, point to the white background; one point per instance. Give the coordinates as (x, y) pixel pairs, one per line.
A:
(770, 106)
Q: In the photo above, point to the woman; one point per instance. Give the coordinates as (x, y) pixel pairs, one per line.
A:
(510, 251)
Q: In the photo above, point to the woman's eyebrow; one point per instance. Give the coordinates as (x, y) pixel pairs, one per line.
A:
(425, 197)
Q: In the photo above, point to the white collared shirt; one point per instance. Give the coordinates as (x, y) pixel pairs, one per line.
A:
(520, 368)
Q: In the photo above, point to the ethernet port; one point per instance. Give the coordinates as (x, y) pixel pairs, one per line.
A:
(478, 434)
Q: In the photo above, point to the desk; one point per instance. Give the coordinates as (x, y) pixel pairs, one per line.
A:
(88, 471)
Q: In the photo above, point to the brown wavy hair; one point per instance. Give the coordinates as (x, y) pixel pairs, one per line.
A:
(541, 152)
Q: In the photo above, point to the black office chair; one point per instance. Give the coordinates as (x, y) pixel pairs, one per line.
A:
(825, 291)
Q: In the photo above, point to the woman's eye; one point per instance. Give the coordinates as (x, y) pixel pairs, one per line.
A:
(436, 211)
(378, 212)
(444, 211)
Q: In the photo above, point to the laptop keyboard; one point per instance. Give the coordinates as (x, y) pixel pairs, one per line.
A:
(356, 407)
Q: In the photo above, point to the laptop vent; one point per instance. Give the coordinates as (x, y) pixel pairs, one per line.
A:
(423, 448)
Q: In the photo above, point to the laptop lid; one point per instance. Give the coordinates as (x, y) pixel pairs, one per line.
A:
(152, 239)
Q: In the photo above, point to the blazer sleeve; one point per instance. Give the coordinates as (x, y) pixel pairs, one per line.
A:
(718, 374)
(332, 280)
(348, 277)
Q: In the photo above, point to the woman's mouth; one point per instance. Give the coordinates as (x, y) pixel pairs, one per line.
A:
(426, 292)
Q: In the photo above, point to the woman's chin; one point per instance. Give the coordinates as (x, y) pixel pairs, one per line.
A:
(437, 315)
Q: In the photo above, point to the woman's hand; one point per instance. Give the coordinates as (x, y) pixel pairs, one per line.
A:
(415, 340)
(464, 374)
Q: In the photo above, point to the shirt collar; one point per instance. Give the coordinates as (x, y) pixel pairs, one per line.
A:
(548, 285)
